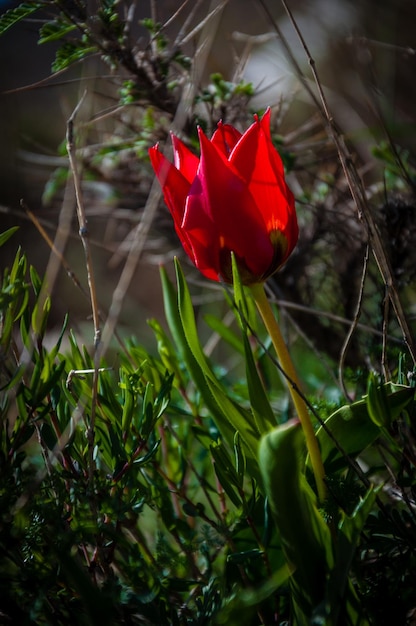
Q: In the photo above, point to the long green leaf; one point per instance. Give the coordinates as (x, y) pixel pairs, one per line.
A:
(306, 539)
(228, 416)
(186, 355)
(260, 405)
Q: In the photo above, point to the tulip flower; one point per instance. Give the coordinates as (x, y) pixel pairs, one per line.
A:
(234, 198)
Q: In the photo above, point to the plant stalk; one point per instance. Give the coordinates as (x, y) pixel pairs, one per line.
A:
(272, 326)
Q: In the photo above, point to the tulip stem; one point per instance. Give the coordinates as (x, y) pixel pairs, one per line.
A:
(272, 326)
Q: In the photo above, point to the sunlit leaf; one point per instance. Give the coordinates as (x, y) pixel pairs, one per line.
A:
(350, 430)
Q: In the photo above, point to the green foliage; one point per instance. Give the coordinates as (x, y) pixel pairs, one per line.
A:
(229, 416)
(306, 539)
(70, 52)
(397, 163)
(221, 91)
(353, 427)
(15, 15)
(170, 486)
(318, 555)
(123, 482)
(159, 487)
(55, 30)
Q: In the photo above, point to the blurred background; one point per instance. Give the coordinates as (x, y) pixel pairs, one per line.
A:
(365, 56)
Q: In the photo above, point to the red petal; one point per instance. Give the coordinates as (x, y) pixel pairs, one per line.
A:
(259, 163)
(175, 190)
(175, 186)
(225, 138)
(184, 160)
(274, 155)
(222, 215)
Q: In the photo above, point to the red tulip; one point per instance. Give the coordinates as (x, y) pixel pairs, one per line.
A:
(234, 198)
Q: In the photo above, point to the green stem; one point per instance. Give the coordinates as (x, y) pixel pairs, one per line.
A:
(270, 322)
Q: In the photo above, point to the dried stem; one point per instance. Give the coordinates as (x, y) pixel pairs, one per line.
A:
(358, 194)
(353, 326)
(84, 235)
(351, 175)
(82, 221)
(149, 212)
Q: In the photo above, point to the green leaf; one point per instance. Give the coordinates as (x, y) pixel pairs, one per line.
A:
(225, 332)
(148, 418)
(305, 538)
(226, 472)
(260, 405)
(210, 387)
(40, 316)
(239, 295)
(353, 429)
(13, 16)
(52, 31)
(228, 416)
(377, 403)
(129, 408)
(54, 351)
(18, 271)
(240, 462)
(69, 53)
(142, 460)
(16, 377)
(35, 280)
(167, 352)
(54, 184)
(245, 601)
(5, 236)
(47, 376)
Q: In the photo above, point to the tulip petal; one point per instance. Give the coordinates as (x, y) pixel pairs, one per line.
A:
(175, 190)
(184, 160)
(274, 155)
(225, 138)
(221, 216)
(174, 185)
(259, 163)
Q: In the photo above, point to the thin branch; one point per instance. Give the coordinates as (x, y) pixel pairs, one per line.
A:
(218, 8)
(354, 325)
(84, 235)
(149, 211)
(358, 194)
(384, 363)
(353, 179)
(82, 221)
